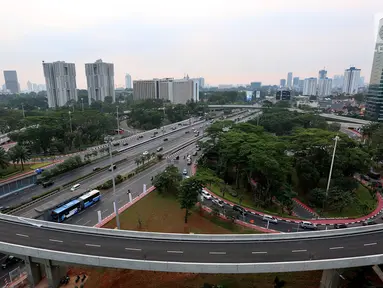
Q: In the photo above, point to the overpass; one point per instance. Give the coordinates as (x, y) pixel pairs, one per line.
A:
(326, 115)
(55, 245)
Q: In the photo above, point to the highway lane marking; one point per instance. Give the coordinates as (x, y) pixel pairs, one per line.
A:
(22, 235)
(79, 220)
(297, 251)
(133, 249)
(336, 248)
(87, 222)
(55, 240)
(104, 211)
(93, 245)
(217, 253)
(258, 252)
(370, 244)
(176, 252)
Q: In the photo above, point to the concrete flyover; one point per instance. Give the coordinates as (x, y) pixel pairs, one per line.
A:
(329, 116)
(71, 244)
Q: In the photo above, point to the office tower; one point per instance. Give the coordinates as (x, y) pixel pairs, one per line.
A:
(351, 81)
(310, 87)
(289, 79)
(30, 86)
(338, 81)
(201, 82)
(11, 82)
(255, 86)
(60, 80)
(128, 81)
(100, 81)
(282, 83)
(324, 87)
(374, 103)
(300, 85)
(322, 74)
(178, 91)
(295, 82)
(361, 83)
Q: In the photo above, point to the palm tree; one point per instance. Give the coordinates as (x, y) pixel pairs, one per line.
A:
(13, 157)
(3, 158)
(22, 154)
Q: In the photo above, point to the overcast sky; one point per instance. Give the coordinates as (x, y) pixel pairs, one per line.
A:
(224, 41)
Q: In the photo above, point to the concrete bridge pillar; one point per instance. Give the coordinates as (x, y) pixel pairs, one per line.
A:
(34, 272)
(330, 279)
(53, 274)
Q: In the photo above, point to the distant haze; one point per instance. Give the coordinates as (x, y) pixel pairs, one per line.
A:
(223, 41)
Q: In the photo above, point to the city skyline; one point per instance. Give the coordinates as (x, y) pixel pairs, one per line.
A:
(238, 59)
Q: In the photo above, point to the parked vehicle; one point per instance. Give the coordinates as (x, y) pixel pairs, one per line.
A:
(308, 225)
(218, 202)
(47, 183)
(195, 153)
(239, 209)
(125, 144)
(165, 139)
(206, 195)
(185, 172)
(270, 219)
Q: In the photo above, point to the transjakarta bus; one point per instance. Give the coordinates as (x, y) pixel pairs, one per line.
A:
(75, 206)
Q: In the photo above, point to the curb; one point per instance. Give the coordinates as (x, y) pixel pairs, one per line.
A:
(307, 208)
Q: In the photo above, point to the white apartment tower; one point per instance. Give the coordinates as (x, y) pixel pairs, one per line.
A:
(289, 79)
(310, 87)
(351, 81)
(100, 81)
(128, 81)
(60, 80)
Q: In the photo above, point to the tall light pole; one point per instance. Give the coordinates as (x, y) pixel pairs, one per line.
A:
(118, 122)
(332, 164)
(82, 104)
(110, 139)
(70, 122)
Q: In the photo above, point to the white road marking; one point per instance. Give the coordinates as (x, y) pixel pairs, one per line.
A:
(259, 252)
(79, 220)
(175, 252)
(23, 235)
(217, 253)
(87, 222)
(54, 240)
(336, 248)
(369, 244)
(297, 251)
(133, 249)
(104, 211)
(93, 245)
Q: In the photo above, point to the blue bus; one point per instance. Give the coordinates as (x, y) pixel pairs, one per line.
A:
(89, 198)
(67, 210)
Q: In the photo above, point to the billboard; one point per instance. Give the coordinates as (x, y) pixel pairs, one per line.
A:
(249, 95)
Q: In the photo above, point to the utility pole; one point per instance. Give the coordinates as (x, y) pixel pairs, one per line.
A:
(118, 122)
(70, 122)
(331, 166)
(114, 184)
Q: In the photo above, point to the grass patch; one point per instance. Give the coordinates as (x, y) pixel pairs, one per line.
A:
(247, 202)
(162, 213)
(39, 165)
(13, 170)
(364, 204)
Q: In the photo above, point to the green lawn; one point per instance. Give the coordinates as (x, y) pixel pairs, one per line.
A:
(248, 202)
(13, 170)
(157, 213)
(355, 210)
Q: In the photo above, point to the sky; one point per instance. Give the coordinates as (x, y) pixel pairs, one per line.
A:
(226, 42)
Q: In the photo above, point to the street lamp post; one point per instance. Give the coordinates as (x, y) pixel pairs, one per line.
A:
(70, 122)
(118, 122)
(331, 166)
(82, 104)
(114, 183)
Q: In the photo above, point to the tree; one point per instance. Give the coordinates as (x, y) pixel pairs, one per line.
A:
(168, 181)
(4, 159)
(20, 153)
(188, 195)
(13, 157)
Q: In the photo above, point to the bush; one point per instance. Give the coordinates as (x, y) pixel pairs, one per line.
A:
(68, 165)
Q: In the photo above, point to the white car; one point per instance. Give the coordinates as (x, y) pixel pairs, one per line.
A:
(145, 153)
(185, 172)
(218, 202)
(308, 225)
(270, 219)
(206, 195)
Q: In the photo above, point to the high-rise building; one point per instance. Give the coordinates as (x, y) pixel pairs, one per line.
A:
(282, 83)
(178, 91)
(374, 103)
(324, 87)
(30, 86)
(11, 82)
(295, 82)
(310, 87)
(255, 86)
(338, 81)
(128, 81)
(300, 85)
(100, 81)
(351, 81)
(289, 79)
(322, 74)
(60, 79)
(361, 83)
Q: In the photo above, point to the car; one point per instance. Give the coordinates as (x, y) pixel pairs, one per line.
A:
(125, 144)
(112, 167)
(185, 172)
(96, 168)
(195, 153)
(177, 157)
(187, 132)
(165, 139)
(270, 219)
(174, 128)
(218, 202)
(189, 161)
(340, 226)
(367, 223)
(10, 261)
(160, 149)
(179, 124)
(48, 183)
(75, 187)
(152, 136)
(308, 225)
(116, 144)
(155, 132)
(206, 195)
(145, 153)
(198, 148)
(239, 209)
(140, 137)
